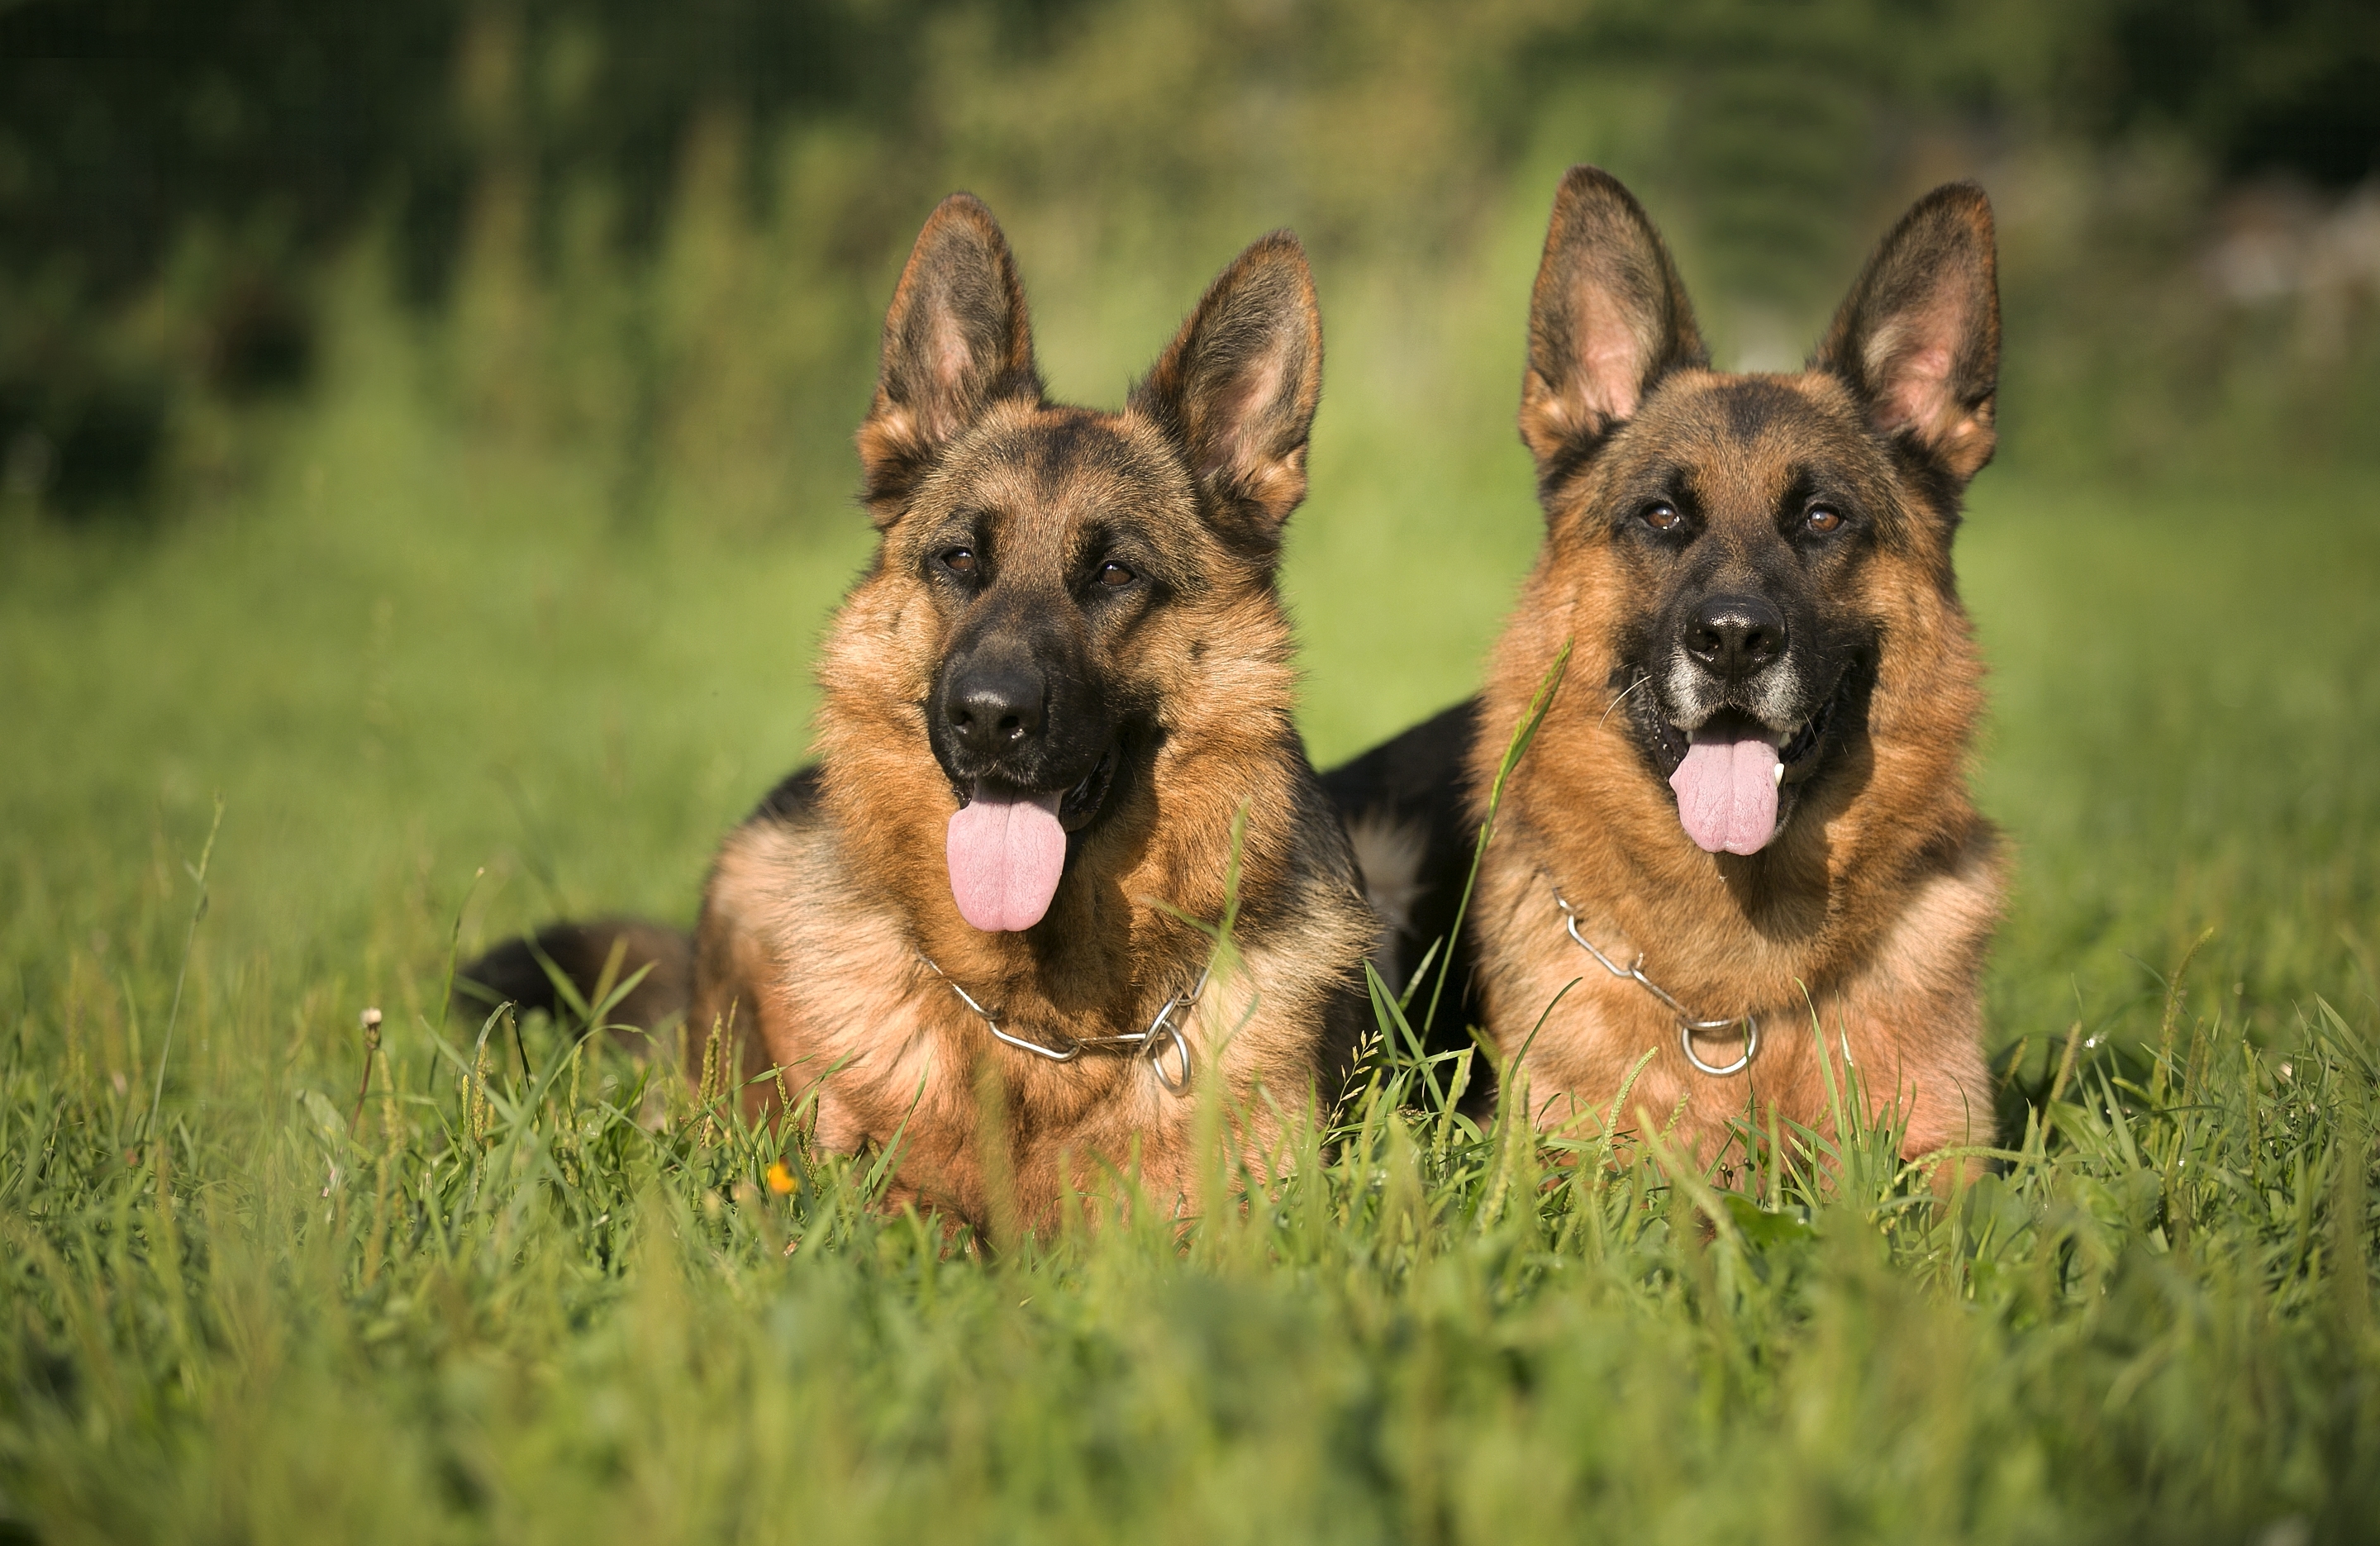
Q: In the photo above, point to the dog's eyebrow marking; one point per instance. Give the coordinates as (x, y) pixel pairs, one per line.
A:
(968, 526)
(1095, 539)
(1800, 487)
(1671, 481)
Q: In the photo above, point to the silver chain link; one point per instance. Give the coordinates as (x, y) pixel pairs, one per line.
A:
(1687, 1024)
(1164, 1031)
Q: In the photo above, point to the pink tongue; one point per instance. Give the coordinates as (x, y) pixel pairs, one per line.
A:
(1005, 854)
(1727, 794)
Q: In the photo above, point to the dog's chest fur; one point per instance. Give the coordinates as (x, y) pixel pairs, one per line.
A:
(831, 971)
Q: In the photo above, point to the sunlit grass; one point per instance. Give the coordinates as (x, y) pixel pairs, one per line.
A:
(492, 1300)
(486, 1302)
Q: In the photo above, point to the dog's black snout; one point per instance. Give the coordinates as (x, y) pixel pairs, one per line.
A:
(1735, 636)
(995, 706)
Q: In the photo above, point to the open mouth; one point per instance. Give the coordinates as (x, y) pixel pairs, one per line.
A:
(1081, 804)
(1076, 807)
(1731, 774)
(1798, 754)
(1007, 848)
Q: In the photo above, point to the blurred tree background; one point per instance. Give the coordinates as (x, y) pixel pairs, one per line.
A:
(660, 236)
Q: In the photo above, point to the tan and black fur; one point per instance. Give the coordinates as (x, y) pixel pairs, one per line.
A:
(1121, 567)
(1809, 517)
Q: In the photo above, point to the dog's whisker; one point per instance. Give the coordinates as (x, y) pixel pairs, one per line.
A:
(1615, 703)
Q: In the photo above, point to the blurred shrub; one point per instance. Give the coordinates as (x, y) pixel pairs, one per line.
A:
(2260, 86)
(665, 233)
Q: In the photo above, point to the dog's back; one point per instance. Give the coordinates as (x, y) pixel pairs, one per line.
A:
(589, 959)
(1407, 810)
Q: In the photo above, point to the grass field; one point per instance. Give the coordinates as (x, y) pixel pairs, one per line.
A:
(236, 1303)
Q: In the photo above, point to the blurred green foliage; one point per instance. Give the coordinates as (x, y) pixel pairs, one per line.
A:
(175, 183)
(122, 123)
(2255, 86)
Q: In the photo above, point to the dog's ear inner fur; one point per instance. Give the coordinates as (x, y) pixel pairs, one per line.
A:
(1918, 338)
(957, 339)
(1237, 387)
(1608, 318)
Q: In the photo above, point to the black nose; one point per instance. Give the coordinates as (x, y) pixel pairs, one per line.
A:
(994, 707)
(1734, 635)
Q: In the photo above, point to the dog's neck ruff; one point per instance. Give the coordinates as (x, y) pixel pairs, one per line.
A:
(1688, 1026)
(1165, 1033)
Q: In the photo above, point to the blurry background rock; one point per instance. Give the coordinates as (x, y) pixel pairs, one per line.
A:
(664, 233)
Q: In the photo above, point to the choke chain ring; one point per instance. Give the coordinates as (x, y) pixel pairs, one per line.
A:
(1687, 1024)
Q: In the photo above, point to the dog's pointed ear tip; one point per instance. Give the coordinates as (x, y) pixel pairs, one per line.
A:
(960, 204)
(1964, 200)
(1275, 252)
(1584, 176)
(1586, 186)
(965, 210)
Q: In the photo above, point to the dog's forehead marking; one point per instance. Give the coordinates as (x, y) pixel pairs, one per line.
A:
(1740, 443)
(1051, 475)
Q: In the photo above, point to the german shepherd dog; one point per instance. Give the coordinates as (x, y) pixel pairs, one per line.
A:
(1056, 750)
(1744, 824)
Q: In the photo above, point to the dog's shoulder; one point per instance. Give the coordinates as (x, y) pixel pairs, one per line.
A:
(767, 860)
(1406, 804)
(793, 802)
(1411, 774)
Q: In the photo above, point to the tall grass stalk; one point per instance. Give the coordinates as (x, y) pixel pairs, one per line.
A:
(182, 973)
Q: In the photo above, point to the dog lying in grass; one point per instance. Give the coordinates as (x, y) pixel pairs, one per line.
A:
(1738, 861)
(1057, 763)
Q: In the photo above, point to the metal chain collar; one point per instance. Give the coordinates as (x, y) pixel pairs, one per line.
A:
(1163, 1031)
(1687, 1024)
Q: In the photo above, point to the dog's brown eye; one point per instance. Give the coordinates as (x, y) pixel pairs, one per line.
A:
(1823, 519)
(959, 560)
(1661, 516)
(1114, 573)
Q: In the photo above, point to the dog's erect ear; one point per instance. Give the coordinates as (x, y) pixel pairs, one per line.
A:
(1919, 336)
(1236, 389)
(1608, 318)
(957, 339)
